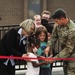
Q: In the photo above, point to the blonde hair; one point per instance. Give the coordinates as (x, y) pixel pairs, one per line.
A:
(26, 25)
(37, 16)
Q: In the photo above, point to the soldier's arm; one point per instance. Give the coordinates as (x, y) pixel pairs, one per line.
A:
(53, 39)
(51, 42)
(70, 44)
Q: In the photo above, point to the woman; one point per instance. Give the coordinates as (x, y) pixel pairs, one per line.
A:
(13, 44)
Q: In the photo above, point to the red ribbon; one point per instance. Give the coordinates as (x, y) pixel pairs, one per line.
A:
(26, 58)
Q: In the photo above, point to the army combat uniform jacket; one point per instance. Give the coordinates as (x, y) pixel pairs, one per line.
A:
(66, 37)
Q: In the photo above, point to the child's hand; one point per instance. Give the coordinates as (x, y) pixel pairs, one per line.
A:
(50, 60)
(46, 63)
(42, 57)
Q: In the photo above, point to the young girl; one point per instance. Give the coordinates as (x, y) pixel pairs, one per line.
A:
(42, 35)
(33, 64)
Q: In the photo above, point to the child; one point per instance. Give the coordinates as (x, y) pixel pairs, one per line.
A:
(42, 35)
(33, 64)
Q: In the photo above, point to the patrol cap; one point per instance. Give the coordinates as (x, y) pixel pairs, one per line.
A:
(26, 25)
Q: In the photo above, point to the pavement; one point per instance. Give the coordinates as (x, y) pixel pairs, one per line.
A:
(55, 71)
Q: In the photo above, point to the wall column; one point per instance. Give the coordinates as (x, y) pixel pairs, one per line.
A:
(44, 5)
(25, 9)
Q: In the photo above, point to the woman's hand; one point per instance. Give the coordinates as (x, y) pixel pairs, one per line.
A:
(26, 56)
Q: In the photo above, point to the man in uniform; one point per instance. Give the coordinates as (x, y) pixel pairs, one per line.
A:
(64, 32)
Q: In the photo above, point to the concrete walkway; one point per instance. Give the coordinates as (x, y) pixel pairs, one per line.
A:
(55, 71)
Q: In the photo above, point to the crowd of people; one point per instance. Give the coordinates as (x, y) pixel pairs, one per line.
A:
(42, 37)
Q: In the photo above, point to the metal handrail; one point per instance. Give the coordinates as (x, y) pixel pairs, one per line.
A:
(4, 29)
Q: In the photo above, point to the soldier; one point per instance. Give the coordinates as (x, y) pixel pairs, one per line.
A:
(65, 33)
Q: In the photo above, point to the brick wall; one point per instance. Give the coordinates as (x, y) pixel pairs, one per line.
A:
(11, 12)
(67, 5)
(15, 11)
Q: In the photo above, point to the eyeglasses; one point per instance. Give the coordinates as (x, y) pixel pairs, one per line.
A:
(32, 29)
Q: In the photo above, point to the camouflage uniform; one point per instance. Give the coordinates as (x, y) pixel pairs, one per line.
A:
(66, 37)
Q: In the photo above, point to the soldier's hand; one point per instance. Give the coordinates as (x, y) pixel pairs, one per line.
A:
(47, 49)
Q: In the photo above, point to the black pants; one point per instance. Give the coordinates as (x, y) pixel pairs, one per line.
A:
(65, 65)
(7, 70)
(51, 66)
(45, 71)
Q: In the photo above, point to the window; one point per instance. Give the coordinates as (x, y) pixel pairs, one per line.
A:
(33, 7)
